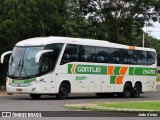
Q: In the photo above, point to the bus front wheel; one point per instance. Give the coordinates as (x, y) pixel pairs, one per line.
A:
(63, 91)
(35, 96)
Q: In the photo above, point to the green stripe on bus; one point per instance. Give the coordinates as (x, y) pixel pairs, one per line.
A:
(88, 69)
(69, 68)
(98, 69)
(112, 79)
(116, 70)
(91, 69)
(142, 71)
(15, 81)
(131, 70)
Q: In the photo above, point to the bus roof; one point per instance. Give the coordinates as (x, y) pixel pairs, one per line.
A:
(38, 41)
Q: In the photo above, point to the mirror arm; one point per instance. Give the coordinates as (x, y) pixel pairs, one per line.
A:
(40, 53)
(4, 54)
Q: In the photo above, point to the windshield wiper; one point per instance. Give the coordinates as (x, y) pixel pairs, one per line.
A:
(24, 69)
(17, 68)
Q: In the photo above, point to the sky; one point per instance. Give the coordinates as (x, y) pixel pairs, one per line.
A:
(154, 31)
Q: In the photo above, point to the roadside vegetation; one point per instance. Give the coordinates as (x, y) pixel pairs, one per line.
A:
(114, 21)
(118, 106)
(158, 77)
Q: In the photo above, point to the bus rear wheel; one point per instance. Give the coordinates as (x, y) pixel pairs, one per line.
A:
(136, 91)
(127, 91)
(35, 96)
(63, 91)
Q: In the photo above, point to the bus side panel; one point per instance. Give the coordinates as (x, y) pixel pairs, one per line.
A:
(94, 83)
(47, 83)
(115, 83)
(80, 83)
(148, 82)
(61, 78)
(77, 86)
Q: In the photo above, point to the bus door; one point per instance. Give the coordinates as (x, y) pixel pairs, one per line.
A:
(47, 78)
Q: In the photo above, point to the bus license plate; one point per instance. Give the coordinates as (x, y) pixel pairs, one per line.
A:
(19, 90)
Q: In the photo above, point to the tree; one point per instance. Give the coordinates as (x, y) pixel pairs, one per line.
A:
(119, 18)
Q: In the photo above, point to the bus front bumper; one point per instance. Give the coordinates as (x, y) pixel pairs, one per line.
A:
(24, 90)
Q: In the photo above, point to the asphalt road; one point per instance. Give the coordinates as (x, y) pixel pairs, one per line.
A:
(50, 103)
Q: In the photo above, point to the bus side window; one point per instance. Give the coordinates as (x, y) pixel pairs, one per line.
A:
(115, 55)
(151, 56)
(102, 55)
(142, 57)
(87, 53)
(128, 56)
(71, 54)
(46, 64)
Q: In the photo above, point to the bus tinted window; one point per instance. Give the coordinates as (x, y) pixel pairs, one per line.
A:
(71, 54)
(87, 53)
(102, 55)
(49, 60)
(129, 56)
(142, 57)
(151, 57)
(115, 55)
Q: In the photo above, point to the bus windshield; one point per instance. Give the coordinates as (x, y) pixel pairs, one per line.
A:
(22, 62)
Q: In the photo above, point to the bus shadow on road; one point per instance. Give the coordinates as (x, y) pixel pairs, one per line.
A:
(77, 97)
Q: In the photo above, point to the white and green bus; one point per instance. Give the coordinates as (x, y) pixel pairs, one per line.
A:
(62, 65)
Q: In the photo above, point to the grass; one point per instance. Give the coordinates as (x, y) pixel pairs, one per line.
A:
(120, 106)
(158, 77)
(133, 105)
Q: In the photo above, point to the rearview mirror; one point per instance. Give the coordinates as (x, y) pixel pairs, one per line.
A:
(40, 53)
(4, 54)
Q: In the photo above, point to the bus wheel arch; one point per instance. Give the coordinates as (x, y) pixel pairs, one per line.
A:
(64, 89)
(137, 89)
(127, 89)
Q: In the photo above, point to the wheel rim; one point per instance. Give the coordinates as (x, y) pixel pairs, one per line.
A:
(137, 91)
(127, 91)
(63, 91)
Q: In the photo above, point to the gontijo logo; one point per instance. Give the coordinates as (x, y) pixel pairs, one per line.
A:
(86, 69)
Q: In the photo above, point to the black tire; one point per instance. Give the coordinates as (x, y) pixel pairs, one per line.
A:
(136, 91)
(127, 91)
(35, 96)
(63, 91)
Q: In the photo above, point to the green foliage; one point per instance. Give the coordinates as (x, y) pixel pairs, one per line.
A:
(119, 21)
(158, 77)
(22, 19)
